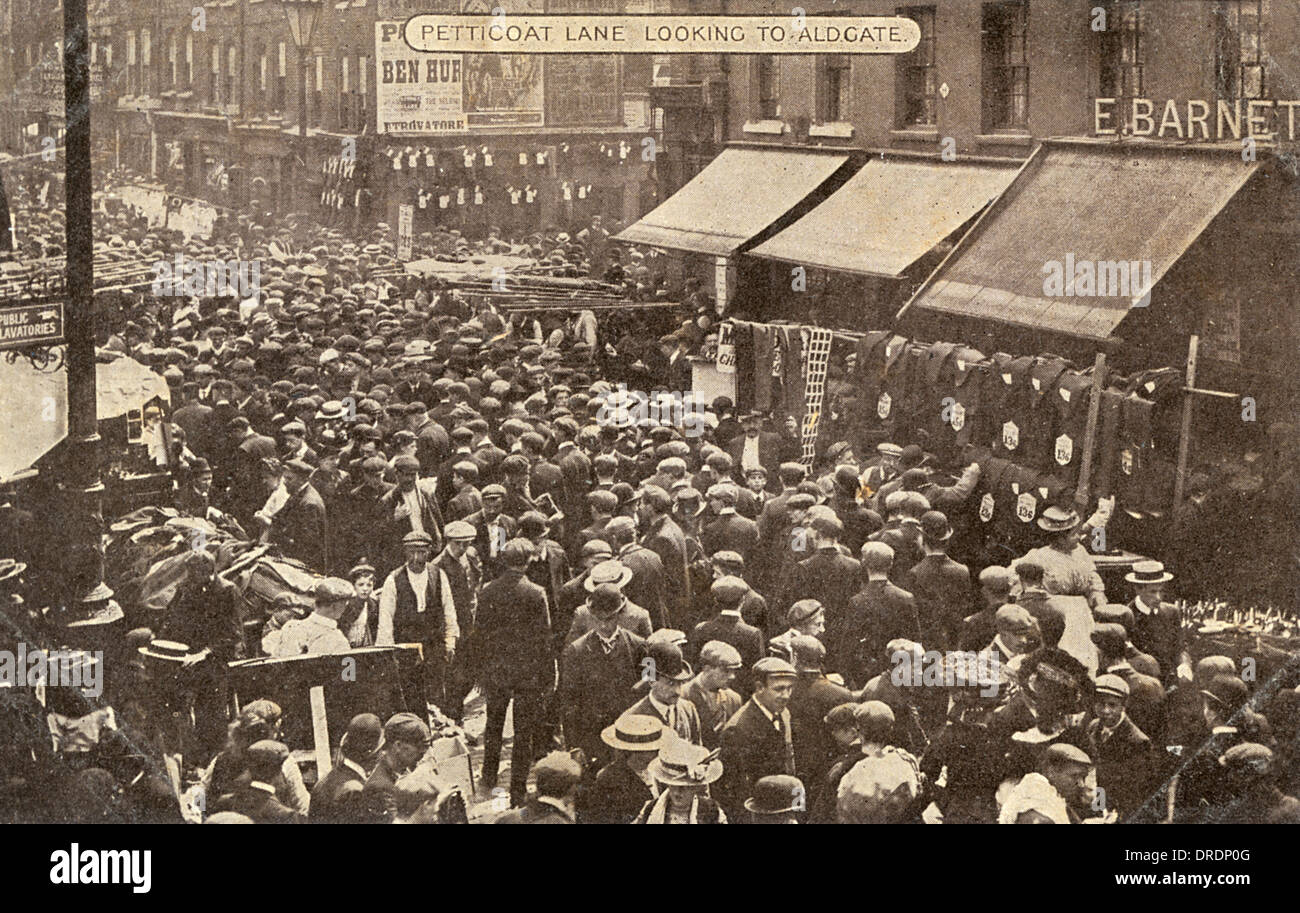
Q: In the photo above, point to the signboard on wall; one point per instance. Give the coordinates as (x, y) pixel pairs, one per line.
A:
(415, 92)
(503, 90)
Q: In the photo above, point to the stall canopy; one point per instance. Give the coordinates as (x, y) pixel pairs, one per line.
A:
(889, 215)
(1084, 202)
(34, 409)
(738, 196)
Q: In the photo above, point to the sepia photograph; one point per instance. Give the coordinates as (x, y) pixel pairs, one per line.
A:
(650, 412)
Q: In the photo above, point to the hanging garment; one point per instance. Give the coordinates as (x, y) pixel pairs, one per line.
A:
(764, 353)
(1072, 399)
(794, 368)
(1108, 421)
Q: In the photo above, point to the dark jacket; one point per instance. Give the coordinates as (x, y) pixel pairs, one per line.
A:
(828, 576)
(646, 588)
(615, 797)
(514, 634)
(1161, 635)
(687, 719)
(259, 804)
(879, 613)
(535, 812)
(730, 533)
(815, 696)
(1125, 765)
(595, 687)
(666, 540)
(716, 708)
(752, 748)
(342, 782)
(729, 629)
(300, 529)
(942, 591)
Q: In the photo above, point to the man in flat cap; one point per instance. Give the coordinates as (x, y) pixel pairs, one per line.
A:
(406, 739)
(711, 692)
(513, 637)
(729, 531)
(728, 626)
(662, 535)
(760, 739)
(319, 632)
(1123, 754)
(878, 613)
(365, 519)
(558, 777)
(460, 564)
(418, 605)
(300, 527)
(1052, 794)
(411, 506)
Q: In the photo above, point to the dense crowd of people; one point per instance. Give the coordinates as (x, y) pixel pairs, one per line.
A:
(686, 622)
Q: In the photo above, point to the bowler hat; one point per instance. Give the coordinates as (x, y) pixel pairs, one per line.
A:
(777, 794)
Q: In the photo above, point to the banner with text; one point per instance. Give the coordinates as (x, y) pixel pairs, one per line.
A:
(416, 93)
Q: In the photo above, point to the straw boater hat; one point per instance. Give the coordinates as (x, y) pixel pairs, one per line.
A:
(1058, 520)
(681, 763)
(166, 650)
(1148, 572)
(611, 571)
(634, 733)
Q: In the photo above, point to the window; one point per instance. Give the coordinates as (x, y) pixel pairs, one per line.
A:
(280, 80)
(1123, 55)
(317, 96)
(174, 59)
(345, 94)
(1239, 49)
(132, 81)
(768, 81)
(146, 62)
(232, 68)
(835, 79)
(214, 77)
(363, 69)
(1006, 65)
(189, 61)
(916, 73)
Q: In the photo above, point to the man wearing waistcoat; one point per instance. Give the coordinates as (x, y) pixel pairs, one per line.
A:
(417, 606)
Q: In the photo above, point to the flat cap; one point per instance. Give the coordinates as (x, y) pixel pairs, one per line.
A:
(802, 611)
(1113, 685)
(333, 589)
(406, 727)
(720, 653)
(728, 591)
(1013, 619)
(774, 666)
(415, 537)
(1065, 753)
(460, 530)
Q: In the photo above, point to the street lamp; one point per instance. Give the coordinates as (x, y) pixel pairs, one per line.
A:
(303, 16)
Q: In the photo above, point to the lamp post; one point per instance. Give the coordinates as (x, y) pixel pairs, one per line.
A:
(303, 16)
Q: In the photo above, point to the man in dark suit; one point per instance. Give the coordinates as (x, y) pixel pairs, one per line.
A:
(756, 447)
(359, 531)
(630, 616)
(940, 585)
(828, 575)
(995, 591)
(773, 521)
(646, 588)
(814, 696)
(335, 799)
(239, 486)
(902, 532)
(406, 739)
(1146, 697)
(710, 691)
(558, 778)
(621, 788)
(727, 428)
(300, 527)
(432, 443)
(879, 613)
(513, 633)
(664, 537)
(597, 674)
(464, 572)
(1157, 625)
(728, 626)
(412, 507)
(1122, 752)
(256, 798)
(494, 529)
(665, 702)
(729, 532)
(760, 739)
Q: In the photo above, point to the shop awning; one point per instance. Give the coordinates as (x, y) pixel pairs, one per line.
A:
(888, 215)
(34, 409)
(738, 195)
(1081, 202)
